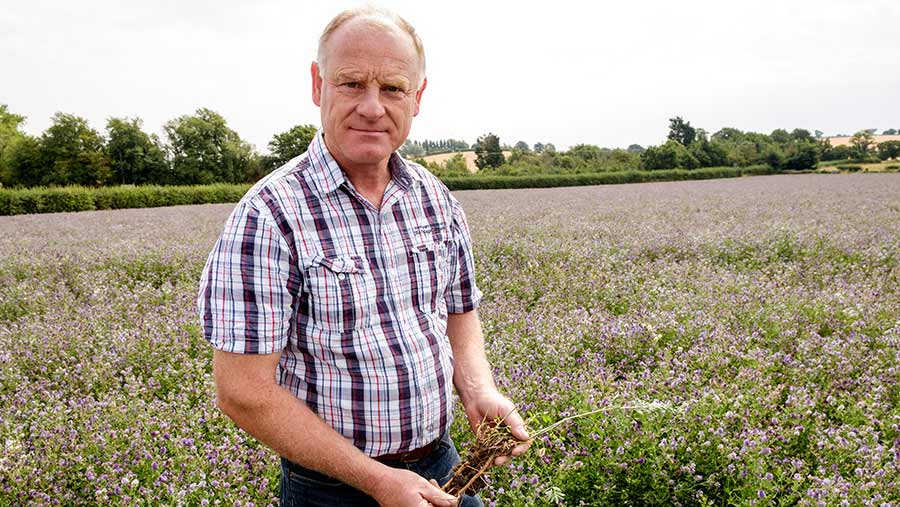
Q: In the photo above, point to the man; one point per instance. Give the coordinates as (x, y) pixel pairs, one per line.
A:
(341, 299)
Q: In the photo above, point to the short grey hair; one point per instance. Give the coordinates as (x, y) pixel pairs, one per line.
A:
(376, 17)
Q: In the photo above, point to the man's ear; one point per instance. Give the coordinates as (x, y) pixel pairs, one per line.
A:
(419, 95)
(316, 83)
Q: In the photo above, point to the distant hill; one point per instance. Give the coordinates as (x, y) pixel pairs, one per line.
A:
(468, 155)
(845, 140)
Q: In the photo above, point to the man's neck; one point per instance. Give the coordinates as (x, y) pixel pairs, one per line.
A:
(370, 182)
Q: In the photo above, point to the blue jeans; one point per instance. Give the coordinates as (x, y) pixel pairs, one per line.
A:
(302, 487)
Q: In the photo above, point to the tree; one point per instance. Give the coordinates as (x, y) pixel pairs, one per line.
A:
(73, 153)
(774, 157)
(801, 135)
(9, 127)
(890, 132)
(456, 164)
(488, 154)
(681, 131)
(708, 154)
(287, 145)
(135, 157)
(888, 150)
(412, 149)
(522, 146)
(842, 152)
(803, 155)
(9, 135)
(826, 150)
(204, 150)
(780, 136)
(428, 147)
(538, 147)
(458, 145)
(586, 152)
(862, 141)
(728, 134)
(635, 148)
(25, 166)
(819, 134)
(668, 156)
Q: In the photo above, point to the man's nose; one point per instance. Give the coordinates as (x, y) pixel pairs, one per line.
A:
(370, 105)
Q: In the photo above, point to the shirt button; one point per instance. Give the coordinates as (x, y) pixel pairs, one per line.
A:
(341, 276)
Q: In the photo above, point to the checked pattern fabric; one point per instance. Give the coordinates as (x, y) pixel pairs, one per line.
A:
(354, 298)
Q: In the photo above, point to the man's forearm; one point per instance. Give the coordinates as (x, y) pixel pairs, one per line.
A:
(471, 371)
(278, 419)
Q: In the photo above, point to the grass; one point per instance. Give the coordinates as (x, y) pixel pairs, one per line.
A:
(832, 166)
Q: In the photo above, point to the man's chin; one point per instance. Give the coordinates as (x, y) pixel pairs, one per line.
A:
(369, 157)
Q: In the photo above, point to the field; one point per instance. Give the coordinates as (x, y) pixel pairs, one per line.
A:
(834, 166)
(845, 140)
(469, 156)
(743, 336)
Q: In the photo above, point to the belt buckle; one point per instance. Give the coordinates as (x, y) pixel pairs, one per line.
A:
(409, 456)
(414, 455)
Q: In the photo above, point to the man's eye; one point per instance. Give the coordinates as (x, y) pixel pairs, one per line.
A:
(351, 84)
(392, 89)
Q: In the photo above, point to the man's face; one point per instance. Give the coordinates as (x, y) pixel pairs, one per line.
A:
(367, 93)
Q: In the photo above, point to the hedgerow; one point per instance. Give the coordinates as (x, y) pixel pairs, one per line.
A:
(75, 198)
(606, 178)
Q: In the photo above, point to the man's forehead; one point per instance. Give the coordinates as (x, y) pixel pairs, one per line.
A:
(363, 27)
(361, 36)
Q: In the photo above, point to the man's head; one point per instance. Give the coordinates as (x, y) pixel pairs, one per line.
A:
(368, 81)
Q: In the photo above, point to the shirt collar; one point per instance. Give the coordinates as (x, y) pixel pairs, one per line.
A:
(328, 176)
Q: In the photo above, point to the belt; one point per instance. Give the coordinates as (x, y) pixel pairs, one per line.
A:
(411, 456)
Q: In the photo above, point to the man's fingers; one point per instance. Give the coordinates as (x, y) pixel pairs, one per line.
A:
(517, 425)
(437, 497)
(451, 501)
(520, 449)
(517, 451)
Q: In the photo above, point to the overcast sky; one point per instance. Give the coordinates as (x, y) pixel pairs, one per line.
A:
(605, 73)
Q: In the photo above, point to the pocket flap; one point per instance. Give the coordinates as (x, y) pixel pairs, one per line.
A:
(426, 239)
(339, 263)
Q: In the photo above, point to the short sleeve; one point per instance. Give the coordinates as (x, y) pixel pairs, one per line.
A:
(463, 294)
(244, 302)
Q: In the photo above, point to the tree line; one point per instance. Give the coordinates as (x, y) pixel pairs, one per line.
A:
(413, 149)
(197, 149)
(686, 147)
(200, 149)
(689, 148)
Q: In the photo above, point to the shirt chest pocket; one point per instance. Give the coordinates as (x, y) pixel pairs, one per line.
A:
(429, 261)
(341, 293)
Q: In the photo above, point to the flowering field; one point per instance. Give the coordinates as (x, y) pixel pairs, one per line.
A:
(742, 335)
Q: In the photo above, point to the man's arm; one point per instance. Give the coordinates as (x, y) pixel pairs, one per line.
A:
(247, 393)
(474, 381)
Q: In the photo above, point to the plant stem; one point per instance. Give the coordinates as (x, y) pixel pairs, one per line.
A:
(585, 414)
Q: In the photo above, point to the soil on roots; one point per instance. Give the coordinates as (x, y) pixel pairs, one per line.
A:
(491, 441)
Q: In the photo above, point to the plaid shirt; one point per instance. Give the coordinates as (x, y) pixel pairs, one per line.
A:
(354, 299)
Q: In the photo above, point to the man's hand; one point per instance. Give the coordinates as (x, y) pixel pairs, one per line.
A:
(492, 405)
(402, 488)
